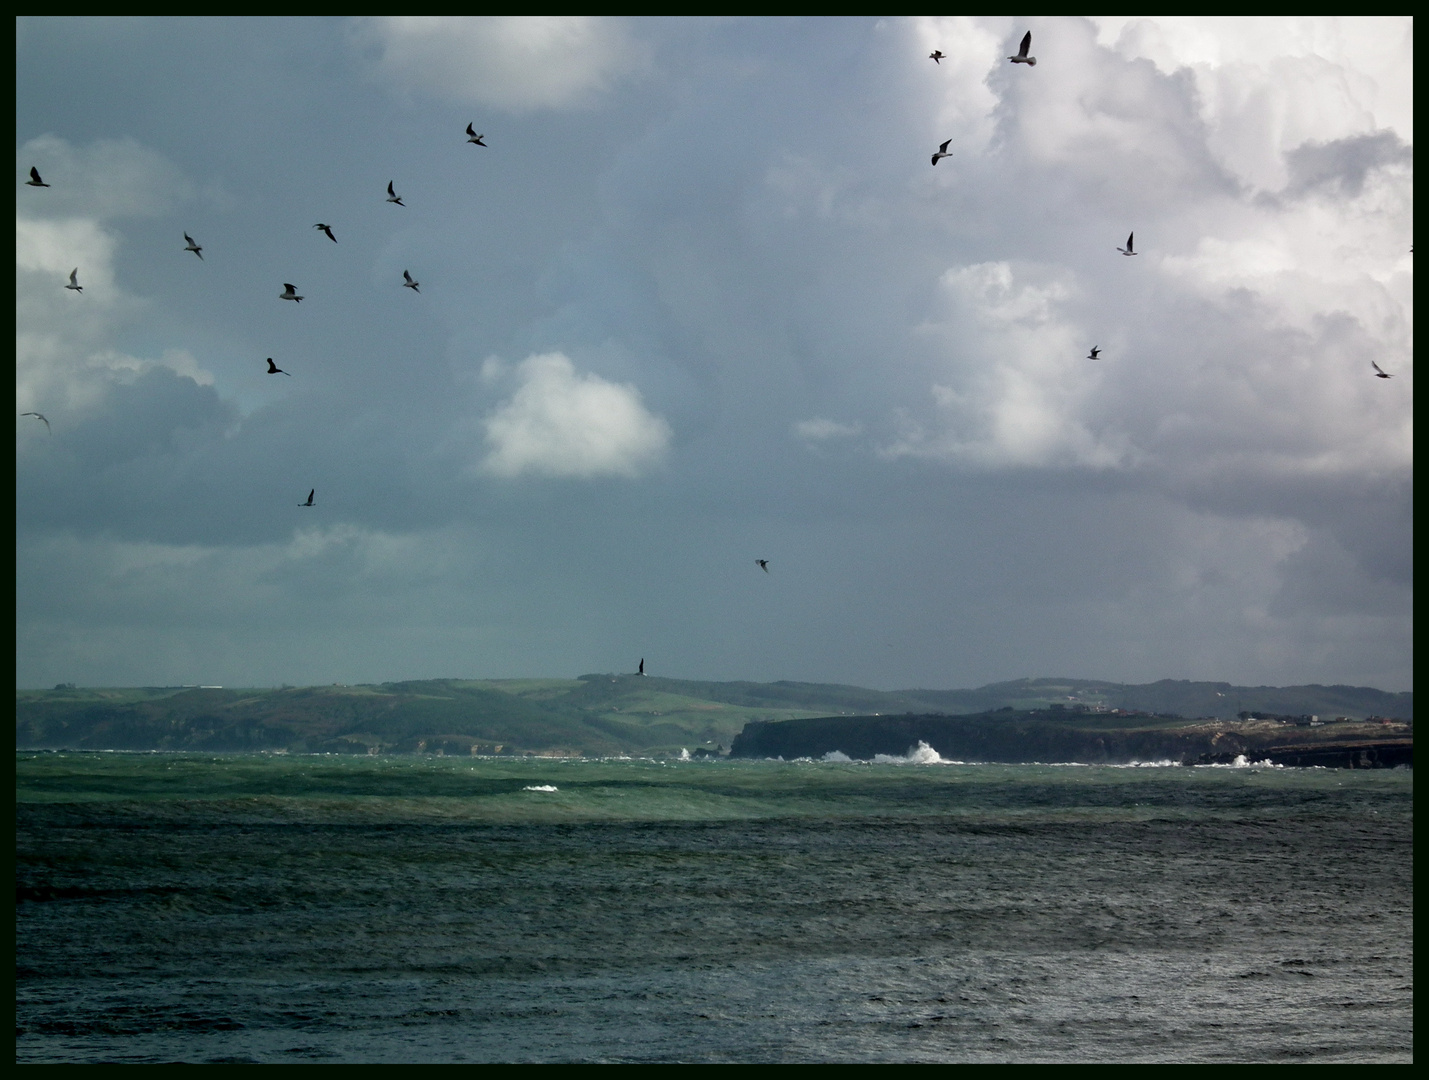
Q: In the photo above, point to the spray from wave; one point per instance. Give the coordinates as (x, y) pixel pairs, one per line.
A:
(922, 754)
(1241, 762)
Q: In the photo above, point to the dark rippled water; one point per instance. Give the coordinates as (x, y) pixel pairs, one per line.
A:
(316, 908)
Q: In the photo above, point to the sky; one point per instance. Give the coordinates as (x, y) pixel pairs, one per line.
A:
(701, 299)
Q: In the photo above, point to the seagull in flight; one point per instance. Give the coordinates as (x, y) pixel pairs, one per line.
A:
(641, 671)
(1022, 57)
(74, 281)
(327, 229)
(473, 137)
(937, 56)
(1129, 250)
(290, 293)
(1093, 355)
(942, 152)
(34, 180)
(38, 416)
(392, 195)
(1379, 373)
(409, 283)
(763, 564)
(274, 369)
(195, 248)
(310, 498)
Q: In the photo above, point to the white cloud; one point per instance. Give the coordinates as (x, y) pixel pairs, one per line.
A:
(64, 352)
(1267, 85)
(1017, 378)
(505, 61)
(106, 179)
(561, 423)
(970, 49)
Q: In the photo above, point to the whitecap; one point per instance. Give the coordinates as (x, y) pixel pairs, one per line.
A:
(540, 787)
(1241, 762)
(837, 755)
(922, 754)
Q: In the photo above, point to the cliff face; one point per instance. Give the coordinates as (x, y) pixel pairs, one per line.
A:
(1032, 737)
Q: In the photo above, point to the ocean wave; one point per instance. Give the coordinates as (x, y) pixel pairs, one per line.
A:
(540, 787)
(1241, 762)
(922, 754)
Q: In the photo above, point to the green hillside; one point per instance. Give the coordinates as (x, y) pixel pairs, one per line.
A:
(591, 715)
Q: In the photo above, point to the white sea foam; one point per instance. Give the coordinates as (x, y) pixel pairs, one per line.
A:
(1241, 762)
(837, 755)
(540, 787)
(922, 754)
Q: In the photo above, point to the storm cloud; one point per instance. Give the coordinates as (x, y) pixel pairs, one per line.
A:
(701, 299)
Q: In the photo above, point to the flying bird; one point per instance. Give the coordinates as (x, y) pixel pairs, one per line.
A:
(1093, 355)
(1379, 372)
(1129, 250)
(274, 369)
(74, 281)
(34, 180)
(763, 564)
(327, 229)
(641, 670)
(310, 498)
(409, 283)
(1022, 57)
(937, 56)
(38, 416)
(195, 248)
(392, 195)
(473, 137)
(290, 293)
(942, 152)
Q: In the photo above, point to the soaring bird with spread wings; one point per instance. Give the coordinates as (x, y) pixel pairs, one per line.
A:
(1022, 57)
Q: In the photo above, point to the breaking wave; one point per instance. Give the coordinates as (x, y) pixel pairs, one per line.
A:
(540, 787)
(922, 754)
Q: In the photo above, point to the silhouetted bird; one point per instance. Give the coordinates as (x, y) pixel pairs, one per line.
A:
(942, 152)
(763, 564)
(74, 281)
(1022, 57)
(1379, 372)
(192, 246)
(1129, 250)
(310, 498)
(274, 369)
(1093, 355)
(473, 137)
(34, 180)
(392, 195)
(327, 229)
(38, 416)
(937, 56)
(409, 283)
(290, 293)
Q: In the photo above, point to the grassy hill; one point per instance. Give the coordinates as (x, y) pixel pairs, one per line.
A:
(592, 715)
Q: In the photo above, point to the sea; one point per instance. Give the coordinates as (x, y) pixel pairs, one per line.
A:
(292, 908)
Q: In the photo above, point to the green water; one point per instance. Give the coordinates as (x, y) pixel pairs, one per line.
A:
(279, 908)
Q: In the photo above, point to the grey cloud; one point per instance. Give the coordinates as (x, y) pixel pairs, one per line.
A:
(1339, 167)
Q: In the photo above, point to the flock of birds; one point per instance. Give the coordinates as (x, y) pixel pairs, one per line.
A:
(290, 291)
